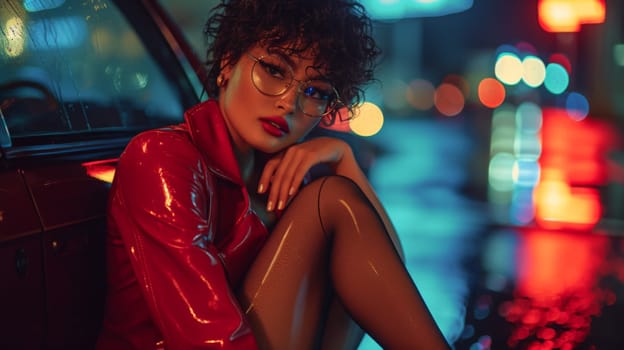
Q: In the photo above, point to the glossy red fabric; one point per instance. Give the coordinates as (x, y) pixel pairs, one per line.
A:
(181, 236)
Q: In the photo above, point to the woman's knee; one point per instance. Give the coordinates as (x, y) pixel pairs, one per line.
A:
(334, 187)
(336, 197)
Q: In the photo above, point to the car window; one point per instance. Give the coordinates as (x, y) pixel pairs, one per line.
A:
(74, 66)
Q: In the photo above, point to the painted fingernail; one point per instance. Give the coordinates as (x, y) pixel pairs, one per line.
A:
(260, 188)
(280, 205)
(291, 191)
(270, 206)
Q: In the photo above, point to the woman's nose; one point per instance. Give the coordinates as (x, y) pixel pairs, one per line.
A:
(288, 100)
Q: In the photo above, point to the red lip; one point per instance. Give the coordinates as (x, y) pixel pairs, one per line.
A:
(276, 126)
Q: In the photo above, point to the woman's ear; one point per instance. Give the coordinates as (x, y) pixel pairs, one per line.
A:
(226, 67)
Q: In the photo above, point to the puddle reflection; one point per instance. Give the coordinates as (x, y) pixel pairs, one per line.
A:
(487, 286)
(418, 179)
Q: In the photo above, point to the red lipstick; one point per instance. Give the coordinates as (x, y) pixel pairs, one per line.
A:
(276, 126)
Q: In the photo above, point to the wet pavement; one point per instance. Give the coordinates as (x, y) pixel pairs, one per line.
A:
(490, 284)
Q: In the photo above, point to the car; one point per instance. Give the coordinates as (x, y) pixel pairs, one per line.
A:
(78, 79)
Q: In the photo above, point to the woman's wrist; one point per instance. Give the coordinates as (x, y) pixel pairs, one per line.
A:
(346, 164)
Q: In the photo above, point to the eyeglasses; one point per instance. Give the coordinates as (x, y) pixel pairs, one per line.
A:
(273, 76)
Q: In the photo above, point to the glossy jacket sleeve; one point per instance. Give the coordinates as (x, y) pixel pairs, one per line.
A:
(162, 205)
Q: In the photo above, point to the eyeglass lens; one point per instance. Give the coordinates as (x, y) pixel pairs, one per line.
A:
(273, 76)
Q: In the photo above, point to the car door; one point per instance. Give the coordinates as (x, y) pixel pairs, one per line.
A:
(21, 275)
(78, 79)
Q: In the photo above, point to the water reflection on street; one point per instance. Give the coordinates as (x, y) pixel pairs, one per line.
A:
(490, 285)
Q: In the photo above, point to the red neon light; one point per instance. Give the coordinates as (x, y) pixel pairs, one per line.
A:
(103, 170)
(557, 292)
(558, 205)
(573, 166)
(568, 15)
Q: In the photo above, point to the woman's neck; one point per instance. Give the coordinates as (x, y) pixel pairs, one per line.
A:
(246, 161)
(243, 153)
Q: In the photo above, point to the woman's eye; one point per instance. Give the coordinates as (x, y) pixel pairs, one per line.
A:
(319, 94)
(273, 70)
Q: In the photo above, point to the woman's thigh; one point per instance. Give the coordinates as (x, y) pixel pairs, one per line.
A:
(285, 292)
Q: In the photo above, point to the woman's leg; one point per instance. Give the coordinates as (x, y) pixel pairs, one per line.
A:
(340, 332)
(286, 291)
(331, 237)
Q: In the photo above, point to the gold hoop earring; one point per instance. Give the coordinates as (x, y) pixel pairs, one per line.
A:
(220, 80)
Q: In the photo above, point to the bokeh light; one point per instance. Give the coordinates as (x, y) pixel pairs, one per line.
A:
(522, 209)
(563, 60)
(449, 100)
(526, 172)
(529, 117)
(458, 81)
(560, 205)
(491, 92)
(567, 16)
(367, 119)
(534, 71)
(501, 170)
(577, 106)
(508, 69)
(527, 146)
(514, 168)
(399, 9)
(15, 37)
(557, 78)
(503, 130)
(420, 93)
(526, 48)
(394, 94)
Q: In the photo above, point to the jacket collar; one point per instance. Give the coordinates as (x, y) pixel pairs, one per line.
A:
(209, 133)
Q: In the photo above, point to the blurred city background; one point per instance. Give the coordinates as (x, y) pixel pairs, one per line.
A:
(499, 157)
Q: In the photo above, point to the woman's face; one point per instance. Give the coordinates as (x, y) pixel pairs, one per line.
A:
(268, 120)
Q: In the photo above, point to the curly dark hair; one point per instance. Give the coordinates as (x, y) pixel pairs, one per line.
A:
(339, 32)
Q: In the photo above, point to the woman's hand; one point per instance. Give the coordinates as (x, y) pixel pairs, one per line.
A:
(284, 173)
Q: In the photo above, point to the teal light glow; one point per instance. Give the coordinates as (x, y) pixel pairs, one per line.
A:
(529, 118)
(527, 146)
(421, 192)
(500, 172)
(526, 172)
(398, 9)
(618, 54)
(40, 5)
(522, 210)
(66, 32)
(500, 255)
(557, 78)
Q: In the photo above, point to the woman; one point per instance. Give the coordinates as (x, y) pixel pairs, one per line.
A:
(217, 238)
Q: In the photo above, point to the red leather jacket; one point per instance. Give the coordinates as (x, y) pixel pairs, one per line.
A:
(181, 236)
